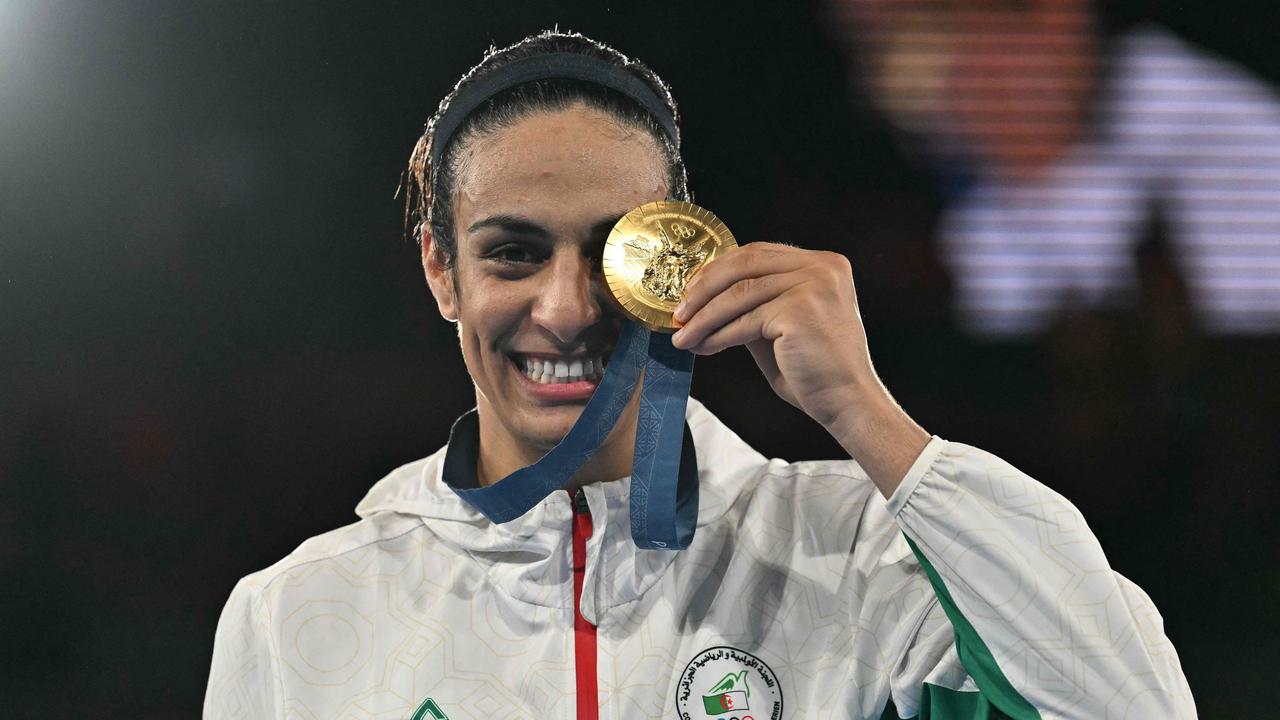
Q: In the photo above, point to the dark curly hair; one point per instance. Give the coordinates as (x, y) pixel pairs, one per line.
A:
(428, 199)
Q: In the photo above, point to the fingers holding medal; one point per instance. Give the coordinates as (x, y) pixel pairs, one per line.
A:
(675, 267)
(763, 291)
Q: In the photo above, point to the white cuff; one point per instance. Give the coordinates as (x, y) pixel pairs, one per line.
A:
(918, 469)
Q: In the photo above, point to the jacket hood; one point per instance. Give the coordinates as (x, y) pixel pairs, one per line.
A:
(521, 552)
(418, 488)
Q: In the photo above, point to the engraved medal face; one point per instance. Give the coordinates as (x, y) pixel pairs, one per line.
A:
(652, 254)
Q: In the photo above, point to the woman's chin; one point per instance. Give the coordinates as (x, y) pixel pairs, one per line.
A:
(547, 426)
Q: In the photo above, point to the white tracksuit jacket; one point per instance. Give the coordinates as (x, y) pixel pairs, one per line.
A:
(802, 596)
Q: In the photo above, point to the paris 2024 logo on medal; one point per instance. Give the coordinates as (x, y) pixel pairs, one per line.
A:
(725, 683)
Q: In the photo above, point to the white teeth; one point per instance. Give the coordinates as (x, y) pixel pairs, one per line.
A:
(551, 372)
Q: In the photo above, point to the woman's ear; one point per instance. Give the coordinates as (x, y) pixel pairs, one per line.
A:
(439, 279)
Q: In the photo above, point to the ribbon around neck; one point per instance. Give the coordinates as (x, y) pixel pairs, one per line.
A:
(664, 487)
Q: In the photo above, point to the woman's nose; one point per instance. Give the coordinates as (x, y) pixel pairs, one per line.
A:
(568, 301)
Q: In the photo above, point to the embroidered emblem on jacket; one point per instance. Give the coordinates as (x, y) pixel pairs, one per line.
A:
(725, 683)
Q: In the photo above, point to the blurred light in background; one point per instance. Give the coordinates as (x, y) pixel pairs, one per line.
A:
(11, 15)
(1068, 150)
(12, 50)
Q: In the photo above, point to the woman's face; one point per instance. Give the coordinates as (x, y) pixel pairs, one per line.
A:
(533, 206)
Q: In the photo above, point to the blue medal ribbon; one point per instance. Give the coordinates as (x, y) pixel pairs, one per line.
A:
(656, 522)
(664, 497)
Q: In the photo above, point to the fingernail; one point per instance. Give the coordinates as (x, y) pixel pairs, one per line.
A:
(679, 311)
(677, 336)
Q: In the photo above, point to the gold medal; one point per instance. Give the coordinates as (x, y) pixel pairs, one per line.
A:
(653, 252)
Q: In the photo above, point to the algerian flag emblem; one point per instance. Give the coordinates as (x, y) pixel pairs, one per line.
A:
(725, 683)
(731, 693)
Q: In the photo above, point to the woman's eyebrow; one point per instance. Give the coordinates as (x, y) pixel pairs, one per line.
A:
(523, 226)
(512, 224)
(603, 227)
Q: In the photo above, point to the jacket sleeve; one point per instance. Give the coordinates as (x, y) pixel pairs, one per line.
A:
(1042, 626)
(243, 680)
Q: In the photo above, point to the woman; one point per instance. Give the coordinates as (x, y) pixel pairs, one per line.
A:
(804, 593)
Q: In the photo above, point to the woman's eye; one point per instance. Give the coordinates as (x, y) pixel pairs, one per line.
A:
(513, 254)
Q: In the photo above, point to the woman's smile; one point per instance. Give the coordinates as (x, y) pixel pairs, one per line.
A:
(559, 378)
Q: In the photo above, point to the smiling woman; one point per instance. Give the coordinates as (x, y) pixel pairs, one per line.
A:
(512, 203)
(536, 201)
(899, 581)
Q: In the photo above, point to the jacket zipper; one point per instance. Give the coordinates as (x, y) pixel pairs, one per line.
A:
(584, 633)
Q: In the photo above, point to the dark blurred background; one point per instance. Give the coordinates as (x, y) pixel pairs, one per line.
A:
(214, 338)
